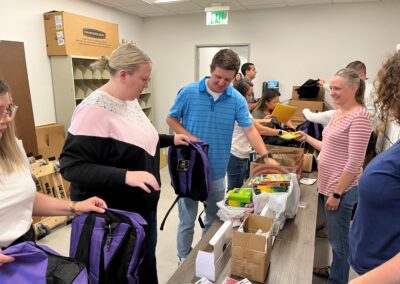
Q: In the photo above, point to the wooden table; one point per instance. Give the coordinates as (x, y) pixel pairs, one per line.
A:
(293, 252)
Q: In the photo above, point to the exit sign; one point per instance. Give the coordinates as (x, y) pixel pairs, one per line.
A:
(217, 18)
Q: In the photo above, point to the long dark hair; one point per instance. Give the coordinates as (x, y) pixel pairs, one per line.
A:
(268, 94)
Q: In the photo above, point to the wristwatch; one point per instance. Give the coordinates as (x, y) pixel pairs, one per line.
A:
(280, 133)
(337, 195)
(266, 155)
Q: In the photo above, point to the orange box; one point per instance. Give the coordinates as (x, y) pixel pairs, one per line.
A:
(70, 34)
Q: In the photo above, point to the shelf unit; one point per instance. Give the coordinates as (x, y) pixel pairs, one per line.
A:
(73, 80)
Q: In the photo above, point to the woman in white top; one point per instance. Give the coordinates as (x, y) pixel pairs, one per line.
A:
(238, 165)
(18, 196)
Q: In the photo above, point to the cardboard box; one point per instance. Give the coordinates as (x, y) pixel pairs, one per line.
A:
(211, 261)
(290, 160)
(312, 105)
(320, 97)
(70, 34)
(308, 161)
(50, 140)
(251, 253)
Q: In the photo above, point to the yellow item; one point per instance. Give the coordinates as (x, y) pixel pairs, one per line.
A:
(290, 135)
(267, 188)
(283, 112)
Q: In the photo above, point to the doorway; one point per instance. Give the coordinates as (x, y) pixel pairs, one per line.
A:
(205, 53)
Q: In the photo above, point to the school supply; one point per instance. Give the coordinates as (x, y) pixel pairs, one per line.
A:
(239, 197)
(283, 112)
(190, 174)
(268, 188)
(271, 179)
(109, 244)
(290, 135)
(40, 264)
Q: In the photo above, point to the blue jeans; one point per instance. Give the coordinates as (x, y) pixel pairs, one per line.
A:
(237, 171)
(338, 225)
(148, 268)
(188, 215)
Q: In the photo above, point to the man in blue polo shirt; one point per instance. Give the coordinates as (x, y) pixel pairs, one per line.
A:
(207, 110)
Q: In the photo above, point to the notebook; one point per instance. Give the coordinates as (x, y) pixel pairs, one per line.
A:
(283, 112)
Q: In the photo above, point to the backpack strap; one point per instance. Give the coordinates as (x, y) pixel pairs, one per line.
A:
(82, 252)
(182, 174)
(204, 157)
(199, 218)
(169, 211)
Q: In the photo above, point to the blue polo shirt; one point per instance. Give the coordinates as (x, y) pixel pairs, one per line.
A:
(211, 121)
(375, 233)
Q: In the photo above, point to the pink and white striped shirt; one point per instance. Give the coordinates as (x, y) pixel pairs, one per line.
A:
(344, 144)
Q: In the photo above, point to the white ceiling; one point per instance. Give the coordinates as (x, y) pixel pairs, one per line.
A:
(145, 9)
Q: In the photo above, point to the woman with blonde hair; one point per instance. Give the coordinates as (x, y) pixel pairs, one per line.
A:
(112, 149)
(343, 145)
(18, 196)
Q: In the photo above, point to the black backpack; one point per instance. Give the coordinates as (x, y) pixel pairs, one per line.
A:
(190, 173)
(309, 89)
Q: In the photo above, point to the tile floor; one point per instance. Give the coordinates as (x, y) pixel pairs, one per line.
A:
(166, 247)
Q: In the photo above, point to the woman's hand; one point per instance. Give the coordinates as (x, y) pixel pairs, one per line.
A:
(5, 258)
(181, 139)
(302, 137)
(332, 204)
(94, 204)
(142, 179)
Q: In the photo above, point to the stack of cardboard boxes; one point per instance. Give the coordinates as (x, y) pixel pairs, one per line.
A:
(315, 105)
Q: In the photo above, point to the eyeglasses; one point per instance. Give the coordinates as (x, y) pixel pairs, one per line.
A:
(10, 111)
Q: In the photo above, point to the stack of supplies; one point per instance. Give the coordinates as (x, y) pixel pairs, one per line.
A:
(270, 183)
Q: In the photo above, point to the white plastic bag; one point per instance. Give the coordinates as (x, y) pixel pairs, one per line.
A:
(232, 213)
(279, 205)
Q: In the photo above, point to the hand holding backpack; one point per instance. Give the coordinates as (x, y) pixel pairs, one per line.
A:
(190, 173)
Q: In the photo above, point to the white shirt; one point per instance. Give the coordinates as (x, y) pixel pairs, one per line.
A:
(17, 194)
(241, 147)
(212, 93)
(319, 117)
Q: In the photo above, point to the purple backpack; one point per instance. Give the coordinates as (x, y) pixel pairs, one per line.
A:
(40, 265)
(190, 173)
(111, 245)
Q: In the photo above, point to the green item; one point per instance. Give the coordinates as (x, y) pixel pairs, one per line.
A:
(240, 194)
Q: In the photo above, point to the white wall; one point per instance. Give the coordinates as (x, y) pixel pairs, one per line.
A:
(22, 20)
(286, 44)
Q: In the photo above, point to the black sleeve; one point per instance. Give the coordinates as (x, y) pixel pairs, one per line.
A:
(166, 140)
(84, 161)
